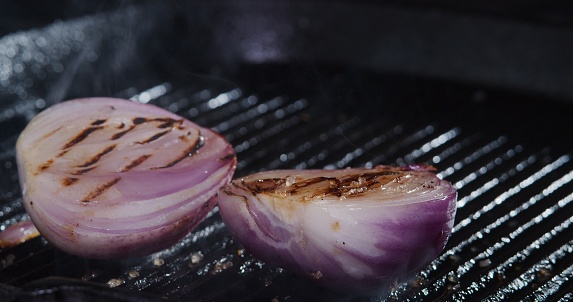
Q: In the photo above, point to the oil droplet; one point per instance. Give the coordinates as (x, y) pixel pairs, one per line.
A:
(115, 282)
(133, 274)
(281, 191)
(332, 184)
(158, 261)
(240, 252)
(316, 275)
(221, 266)
(453, 287)
(196, 258)
(453, 279)
(290, 181)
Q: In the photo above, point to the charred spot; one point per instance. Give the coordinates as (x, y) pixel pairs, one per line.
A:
(121, 126)
(69, 181)
(98, 122)
(97, 157)
(136, 162)
(263, 185)
(139, 120)
(81, 136)
(154, 137)
(336, 226)
(100, 190)
(62, 153)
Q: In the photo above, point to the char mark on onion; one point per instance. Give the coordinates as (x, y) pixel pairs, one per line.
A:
(353, 229)
(113, 178)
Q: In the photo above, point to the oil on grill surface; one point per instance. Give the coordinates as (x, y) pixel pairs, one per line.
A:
(512, 238)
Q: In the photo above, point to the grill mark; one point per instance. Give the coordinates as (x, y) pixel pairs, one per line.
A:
(62, 153)
(154, 137)
(192, 149)
(97, 125)
(98, 122)
(100, 190)
(74, 141)
(346, 185)
(165, 123)
(83, 171)
(81, 136)
(168, 122)
(68, 181)
(46, 165)
(136, 162)
(122, 133)
(51, 133)
(97, 157)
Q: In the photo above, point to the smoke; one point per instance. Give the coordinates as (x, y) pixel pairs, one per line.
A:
(97, 54)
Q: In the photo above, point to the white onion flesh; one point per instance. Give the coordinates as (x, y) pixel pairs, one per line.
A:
(111, 178)
(351, 229)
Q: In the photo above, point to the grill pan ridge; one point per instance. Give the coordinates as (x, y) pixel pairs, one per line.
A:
(506, 152)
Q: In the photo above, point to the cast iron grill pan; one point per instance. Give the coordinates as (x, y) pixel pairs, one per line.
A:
(508, 155)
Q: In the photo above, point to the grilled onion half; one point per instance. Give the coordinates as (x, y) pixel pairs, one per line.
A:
(351, 229)
(112, 178)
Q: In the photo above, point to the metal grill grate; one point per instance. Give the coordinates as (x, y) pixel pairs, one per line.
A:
(512, 238)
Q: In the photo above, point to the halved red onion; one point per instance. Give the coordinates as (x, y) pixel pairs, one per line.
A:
(17, 233)
(352, 229)
(107, 178)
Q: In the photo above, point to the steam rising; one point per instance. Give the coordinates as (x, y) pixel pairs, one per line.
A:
(41, 67)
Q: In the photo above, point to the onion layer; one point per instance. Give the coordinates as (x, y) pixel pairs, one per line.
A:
(107, 178)
(17, 233)
(352, 229)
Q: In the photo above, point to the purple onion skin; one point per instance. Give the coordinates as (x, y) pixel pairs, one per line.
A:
(355, 243)
(110, 178)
